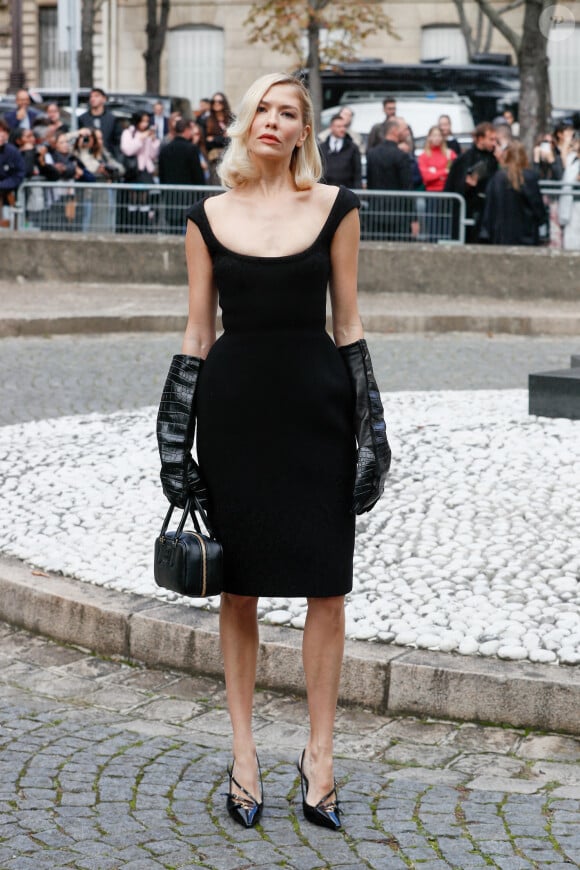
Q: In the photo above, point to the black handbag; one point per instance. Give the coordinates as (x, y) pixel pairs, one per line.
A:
(188, 562)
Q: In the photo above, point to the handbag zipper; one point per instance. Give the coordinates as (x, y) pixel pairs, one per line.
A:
(203, 564)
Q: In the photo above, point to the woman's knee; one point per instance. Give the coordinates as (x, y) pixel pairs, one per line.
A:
(242, 604)
(330, 610)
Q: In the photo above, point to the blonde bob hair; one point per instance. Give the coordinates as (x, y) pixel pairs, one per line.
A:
(236, 167)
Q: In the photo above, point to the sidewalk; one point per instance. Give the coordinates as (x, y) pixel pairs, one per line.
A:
(40, 308)
(386, 678)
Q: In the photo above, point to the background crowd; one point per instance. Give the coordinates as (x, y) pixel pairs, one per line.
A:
(495, 175)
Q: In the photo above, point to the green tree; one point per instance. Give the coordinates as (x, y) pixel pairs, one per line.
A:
(282, 24)
(530, 45)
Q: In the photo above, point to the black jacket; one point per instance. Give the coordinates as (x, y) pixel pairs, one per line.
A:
(388, 168)
(512, 217)
(486, 166)
(12, 168)
(342, 167)
(179, 163)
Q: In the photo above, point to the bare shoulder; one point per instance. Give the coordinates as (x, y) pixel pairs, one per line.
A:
(322, 197)
(217, 205)
(325, 194)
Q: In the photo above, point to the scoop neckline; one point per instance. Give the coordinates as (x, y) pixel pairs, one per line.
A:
(273, 259)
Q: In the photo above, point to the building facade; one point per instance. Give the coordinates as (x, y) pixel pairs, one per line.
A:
(207, 49)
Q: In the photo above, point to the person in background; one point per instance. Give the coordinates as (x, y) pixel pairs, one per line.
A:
(55, 124)
(159, 121)
(12, 171)
(547, 162)
(389, 168)
(434, 165)
(514, 210)
(99, 117)
(60, 165)
(504, 137)
(378, 131)
(113, 169)
(139, 140)
(347, 114)
(569, 209)
(469, 176)
(444, 124)
(216, 127)
(203, 112)
(23, 116)
(35, 196)
(340, 157)
(170, 135)
(25, 141)
(179, 164)
(198, 138)
(509, 119)
(562, 143)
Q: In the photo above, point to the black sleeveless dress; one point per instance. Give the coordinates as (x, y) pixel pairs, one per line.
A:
(275, 422)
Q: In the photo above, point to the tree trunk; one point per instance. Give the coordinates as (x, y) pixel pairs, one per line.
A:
(534, 108)
(86, 56)
(156, 31)
(313, 64)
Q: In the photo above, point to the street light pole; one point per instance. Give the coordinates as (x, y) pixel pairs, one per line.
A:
(17, 74)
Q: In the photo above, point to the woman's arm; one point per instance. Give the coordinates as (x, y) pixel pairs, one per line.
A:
(200, 332)
(346, 323)
(131, 144)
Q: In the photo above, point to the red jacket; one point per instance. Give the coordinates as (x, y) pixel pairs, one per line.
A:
(434, 168)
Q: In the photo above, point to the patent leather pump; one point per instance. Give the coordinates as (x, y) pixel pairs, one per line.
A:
(326, 812)
(241, 805)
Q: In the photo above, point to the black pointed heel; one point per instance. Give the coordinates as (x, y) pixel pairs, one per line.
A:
(241, 805)
(326, 812)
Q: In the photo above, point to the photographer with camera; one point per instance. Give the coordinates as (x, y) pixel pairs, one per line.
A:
(99, 166)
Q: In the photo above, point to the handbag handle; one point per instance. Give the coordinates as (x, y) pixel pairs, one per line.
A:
(188, 509)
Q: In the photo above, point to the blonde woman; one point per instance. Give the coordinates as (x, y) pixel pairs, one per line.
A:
(278, 407)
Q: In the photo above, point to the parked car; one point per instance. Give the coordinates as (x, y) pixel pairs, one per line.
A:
(116, 100)
(420, 111)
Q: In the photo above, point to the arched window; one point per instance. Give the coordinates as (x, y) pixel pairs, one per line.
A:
(195, 61)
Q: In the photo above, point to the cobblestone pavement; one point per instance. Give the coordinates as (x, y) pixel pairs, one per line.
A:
(51, 377)
(104, 766)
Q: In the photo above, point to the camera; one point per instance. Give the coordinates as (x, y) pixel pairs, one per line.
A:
(85, 140)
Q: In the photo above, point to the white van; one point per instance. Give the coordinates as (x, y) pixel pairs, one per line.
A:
(420, 111)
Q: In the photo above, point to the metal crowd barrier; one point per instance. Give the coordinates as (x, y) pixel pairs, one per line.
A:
(161, 208)
(412, 216)
(55, 206)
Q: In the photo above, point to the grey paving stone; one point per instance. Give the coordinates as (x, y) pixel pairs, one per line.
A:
(95, 757)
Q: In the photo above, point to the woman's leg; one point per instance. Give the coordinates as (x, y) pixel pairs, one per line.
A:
(322, 652)
(239, 643)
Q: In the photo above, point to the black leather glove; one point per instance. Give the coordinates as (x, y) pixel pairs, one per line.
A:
(180, 476)
(374, 453)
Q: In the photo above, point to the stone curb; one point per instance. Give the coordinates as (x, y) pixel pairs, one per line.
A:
(384, 678)
(373, 322)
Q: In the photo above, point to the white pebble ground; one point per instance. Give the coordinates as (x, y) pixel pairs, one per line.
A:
(474, 547)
